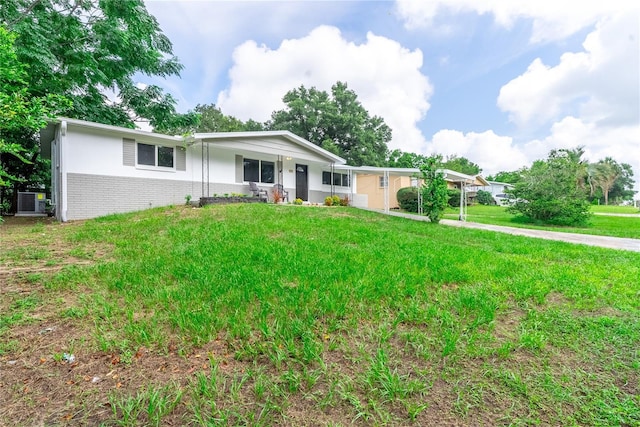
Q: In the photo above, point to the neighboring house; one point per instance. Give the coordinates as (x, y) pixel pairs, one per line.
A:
(377, 187)
(100, 169)
(498, 191)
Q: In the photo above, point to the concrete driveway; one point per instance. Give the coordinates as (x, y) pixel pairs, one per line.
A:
(584, 239)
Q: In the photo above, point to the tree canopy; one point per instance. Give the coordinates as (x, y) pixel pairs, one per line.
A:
(548, 191)
(212, 119)
(337, 122)
(403, 159)
(79, 51)
(19, 113)
(461, 164)
(508, 177)
(84, 49)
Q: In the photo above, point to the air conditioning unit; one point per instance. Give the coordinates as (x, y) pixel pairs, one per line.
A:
(32, 203)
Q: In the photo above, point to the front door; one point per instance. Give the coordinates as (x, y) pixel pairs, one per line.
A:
(302, 186)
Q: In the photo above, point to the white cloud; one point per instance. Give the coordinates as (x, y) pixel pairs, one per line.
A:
(551, 19)
(493, 153)
(385, 76)
(621, 143)
(601, 82)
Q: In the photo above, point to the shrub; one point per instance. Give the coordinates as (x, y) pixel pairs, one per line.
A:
(336, 200)
(548, 192)
(187, 199)
(434, 189)
(408, 199)
(328, 201)
(485, 197)
(453, 197)
(344, 201)
(298, 201)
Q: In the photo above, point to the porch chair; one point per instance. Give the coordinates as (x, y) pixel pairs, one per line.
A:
(280, 189)
(257, 191)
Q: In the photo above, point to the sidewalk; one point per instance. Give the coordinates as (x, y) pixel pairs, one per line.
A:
(584, 239)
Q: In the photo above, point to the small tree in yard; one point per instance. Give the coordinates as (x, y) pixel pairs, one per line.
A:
(434, 189)
(548, 192)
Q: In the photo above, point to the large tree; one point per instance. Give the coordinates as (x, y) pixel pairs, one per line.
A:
(337, 122)
(212, 119)
(462, 165)
(403, 159)
(547, 191)
(84, 49)
(21, 115)
(510, 177)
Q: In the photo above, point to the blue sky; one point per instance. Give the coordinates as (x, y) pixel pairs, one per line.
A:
(499, 82)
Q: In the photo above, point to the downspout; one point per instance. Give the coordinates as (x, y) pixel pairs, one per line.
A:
(62, 165)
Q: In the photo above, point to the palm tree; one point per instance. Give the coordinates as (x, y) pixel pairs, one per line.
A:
(605, 175)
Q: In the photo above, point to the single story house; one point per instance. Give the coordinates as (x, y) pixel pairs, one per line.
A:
(377, 187)
(100, 169)
(498, 191)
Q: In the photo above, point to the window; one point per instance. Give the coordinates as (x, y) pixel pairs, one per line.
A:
(165, 157)
(259, 171)
(146, 154)
(155, 155)
(326, 178)
(267, 172)
(339, 179)
(383, 182)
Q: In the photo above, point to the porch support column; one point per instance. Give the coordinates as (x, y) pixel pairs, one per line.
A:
(332, 172)
(386, 190)
(205, 169)
(461, 216)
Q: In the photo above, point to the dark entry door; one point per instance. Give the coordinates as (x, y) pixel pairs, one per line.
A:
(302, 186)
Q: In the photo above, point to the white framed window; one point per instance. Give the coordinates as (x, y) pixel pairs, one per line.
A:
(339, 179)
(155, 156)
(384, 183)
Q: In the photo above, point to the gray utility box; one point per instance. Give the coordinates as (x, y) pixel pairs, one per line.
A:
(30, 203)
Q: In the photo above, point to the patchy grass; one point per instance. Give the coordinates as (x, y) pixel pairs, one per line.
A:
(615, 226)
(287, 315)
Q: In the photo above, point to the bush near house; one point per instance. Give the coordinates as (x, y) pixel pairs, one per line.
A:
(454, 197)
(408, 199)
(485, 197)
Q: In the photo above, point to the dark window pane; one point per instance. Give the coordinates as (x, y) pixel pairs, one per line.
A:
(146, 154)
(165, 157)
(336, 179)
(326, 178)
(251, 170)
(268, 172)
(345, 180)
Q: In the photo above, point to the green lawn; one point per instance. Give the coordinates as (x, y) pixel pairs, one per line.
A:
(616, 226)
(615, 209)
(294, 315)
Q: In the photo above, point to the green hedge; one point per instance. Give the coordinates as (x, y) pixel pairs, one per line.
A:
(408, 199)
